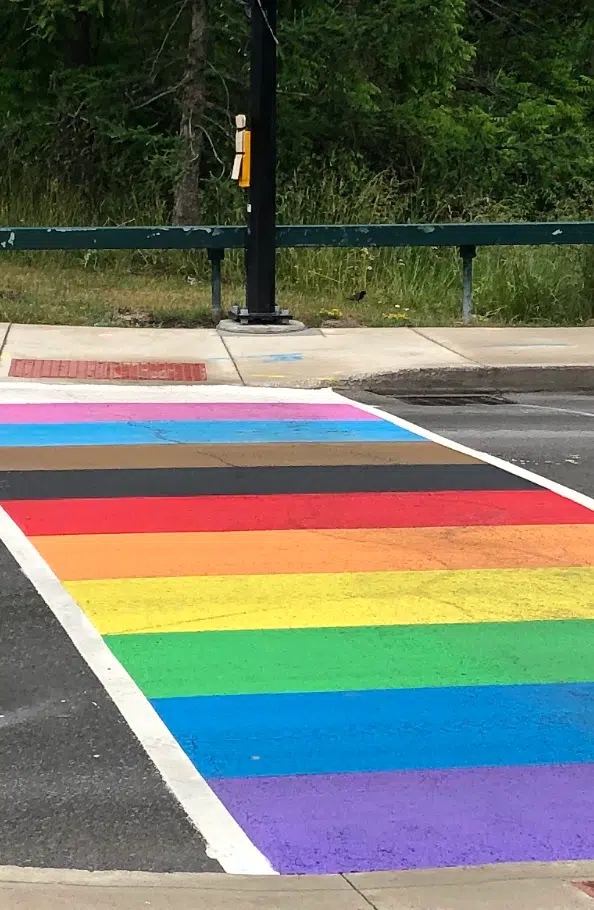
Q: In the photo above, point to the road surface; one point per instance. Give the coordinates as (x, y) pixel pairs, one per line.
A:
(552, 435)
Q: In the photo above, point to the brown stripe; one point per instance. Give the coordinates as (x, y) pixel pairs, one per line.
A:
(74, 458)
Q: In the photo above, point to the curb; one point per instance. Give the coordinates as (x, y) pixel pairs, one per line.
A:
(178, 881)
(475, 380)
(565, 870)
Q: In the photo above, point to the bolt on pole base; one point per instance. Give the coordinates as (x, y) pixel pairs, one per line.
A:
(241, 314)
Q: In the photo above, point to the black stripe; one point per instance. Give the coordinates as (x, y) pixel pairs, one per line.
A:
(95, 484)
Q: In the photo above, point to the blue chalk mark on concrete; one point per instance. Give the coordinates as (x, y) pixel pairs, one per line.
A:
(282, 358)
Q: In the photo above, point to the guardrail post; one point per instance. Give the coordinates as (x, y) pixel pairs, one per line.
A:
(467, 253)
(216, 257)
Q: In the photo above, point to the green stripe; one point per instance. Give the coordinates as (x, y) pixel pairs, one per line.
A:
(372, 657)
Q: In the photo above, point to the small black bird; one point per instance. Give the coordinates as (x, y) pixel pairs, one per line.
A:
(358, 296)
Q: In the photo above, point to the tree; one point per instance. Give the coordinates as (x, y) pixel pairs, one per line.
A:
(468, 105)
(186, 209)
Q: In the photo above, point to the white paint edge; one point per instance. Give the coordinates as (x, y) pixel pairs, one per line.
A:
(226, 842)
(552, 485)
(53, 393)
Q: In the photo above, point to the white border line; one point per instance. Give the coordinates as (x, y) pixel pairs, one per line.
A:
(226, 841)
(552, 485)
(52, 393)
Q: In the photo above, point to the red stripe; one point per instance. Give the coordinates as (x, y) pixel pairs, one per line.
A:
(291, 511)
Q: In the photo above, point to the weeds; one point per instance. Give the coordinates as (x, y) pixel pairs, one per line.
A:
(418, 286)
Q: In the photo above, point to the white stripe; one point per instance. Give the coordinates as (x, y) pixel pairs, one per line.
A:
(550, 407)
(226, 842)
(552, 485)
(57, 393)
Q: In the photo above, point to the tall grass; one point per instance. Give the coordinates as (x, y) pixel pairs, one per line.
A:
(523, 285)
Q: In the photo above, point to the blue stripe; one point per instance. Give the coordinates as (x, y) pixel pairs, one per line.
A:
(383, 730)
(202, 431)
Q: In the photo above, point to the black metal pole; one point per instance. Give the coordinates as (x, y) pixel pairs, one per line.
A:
(261, 248)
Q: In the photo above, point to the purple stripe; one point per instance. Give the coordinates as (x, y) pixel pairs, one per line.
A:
(94, 412)
(416, 819)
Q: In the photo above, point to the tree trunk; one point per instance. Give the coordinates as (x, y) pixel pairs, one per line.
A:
(186, 209)
(79, 50)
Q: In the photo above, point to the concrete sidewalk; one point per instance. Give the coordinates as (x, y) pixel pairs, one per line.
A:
(401, 360)
(537, 886)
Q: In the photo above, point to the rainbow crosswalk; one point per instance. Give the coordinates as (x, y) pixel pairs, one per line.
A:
(378, 650)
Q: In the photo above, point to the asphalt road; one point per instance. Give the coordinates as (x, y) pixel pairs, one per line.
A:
(552, 435)
(76, 788)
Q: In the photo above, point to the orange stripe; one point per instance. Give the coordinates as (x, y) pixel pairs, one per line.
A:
(97, 556)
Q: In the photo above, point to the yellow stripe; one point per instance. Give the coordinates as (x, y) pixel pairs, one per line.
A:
(351, 599)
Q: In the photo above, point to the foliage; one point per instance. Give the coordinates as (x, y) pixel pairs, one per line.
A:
(469, 108)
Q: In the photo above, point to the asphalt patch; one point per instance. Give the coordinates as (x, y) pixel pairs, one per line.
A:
(76, 788)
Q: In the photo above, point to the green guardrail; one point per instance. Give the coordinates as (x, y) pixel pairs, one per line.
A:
(215, 240)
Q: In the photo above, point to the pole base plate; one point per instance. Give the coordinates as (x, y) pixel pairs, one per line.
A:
(233, 327)
(243, 316)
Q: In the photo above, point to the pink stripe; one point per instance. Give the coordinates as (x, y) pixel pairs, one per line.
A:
(94, 412)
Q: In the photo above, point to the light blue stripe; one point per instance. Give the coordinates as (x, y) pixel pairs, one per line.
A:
(383, 730)
(170, 432)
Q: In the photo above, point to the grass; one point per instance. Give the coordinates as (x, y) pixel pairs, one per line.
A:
(47, 293)
(518, 286)
(540, 286)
